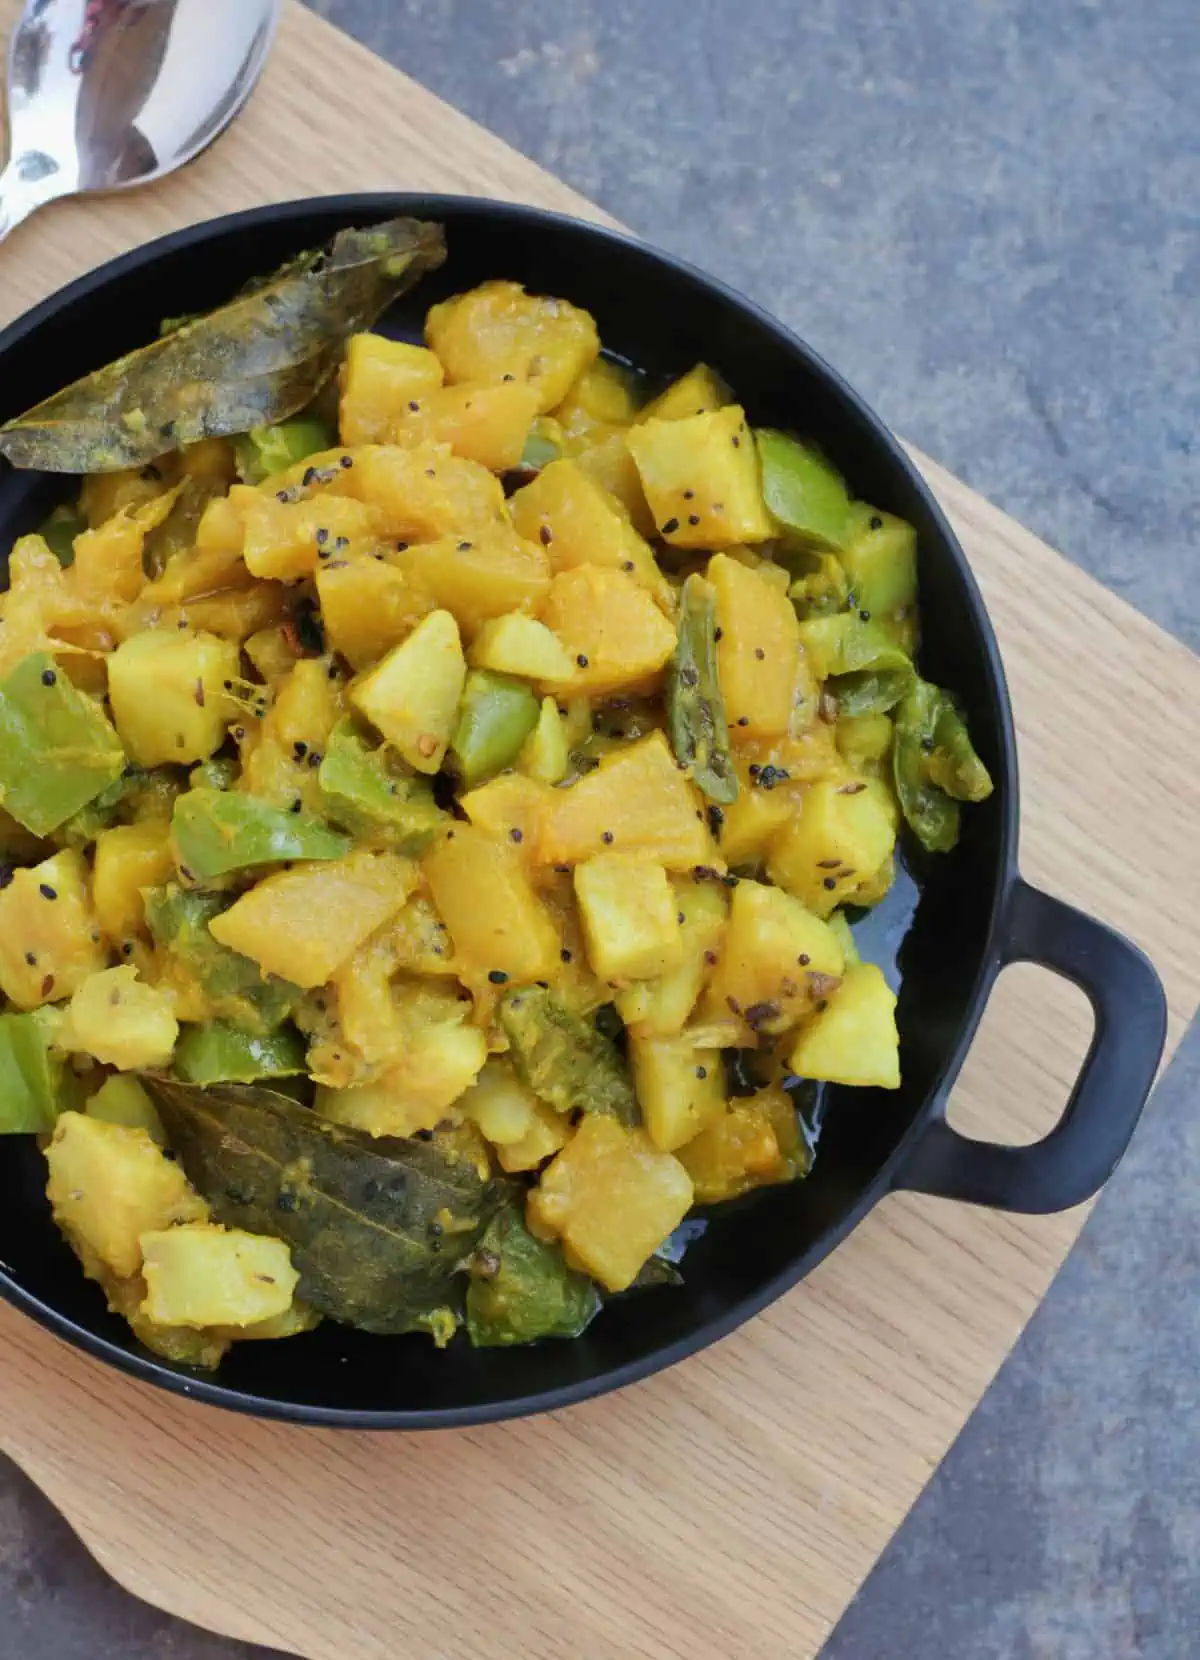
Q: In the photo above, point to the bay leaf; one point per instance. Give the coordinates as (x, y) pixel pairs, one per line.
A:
(254, 362)
(378, 1227)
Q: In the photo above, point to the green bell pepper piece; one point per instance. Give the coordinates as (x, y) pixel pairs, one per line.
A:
(374, 798)
(31, 1075)
(122, 1100)
(264, 451)
(217, 831)
(59, 530)
(58, 751)
(496, 715)
(935, 766)
(695, 707)
(521, 1289)
(862, 667)
(821, 587)
(236, 987)
(805, 493)
(221, 1053)
(565, 1058)
(219, 772)
(541, 447)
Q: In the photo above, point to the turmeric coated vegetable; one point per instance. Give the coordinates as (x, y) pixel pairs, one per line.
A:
(436, 783)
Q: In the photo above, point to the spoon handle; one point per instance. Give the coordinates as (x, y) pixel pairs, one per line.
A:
(26, 184)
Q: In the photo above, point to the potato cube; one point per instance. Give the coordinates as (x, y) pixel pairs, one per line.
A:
(630, 916)
(440, 1062)
(286, 540)
(424, 492)
(128, 858)
(614, 633)
(696, 393)
(497, 330)
(680, 1088)
(49, 941)
(519, 644)
(612, 1198)
(548, 1132)
(660, 1007)
(509, 809)
(488, 424)
(776, 960)
(484, 895)
(604, 396)
(752, 822)
(580, 523)
(853, 1040)
(202, 1275)
(121, 1021)
(608, 462)
(412, 695)
(168, 699)
(546, 754)
(382, 377)
(758, 652)
(367, 607)
(701, 478)
(636, 800)
(477, 577)
(304, 923)
(108, 1185)
(837, 844)
(501, 1105)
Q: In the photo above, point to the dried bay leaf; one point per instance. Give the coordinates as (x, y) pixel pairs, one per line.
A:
(252, 363)
(378, 1227)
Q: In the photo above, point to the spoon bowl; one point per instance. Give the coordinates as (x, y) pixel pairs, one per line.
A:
(103, 94)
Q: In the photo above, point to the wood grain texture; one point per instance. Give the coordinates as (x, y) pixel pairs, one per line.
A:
(734, 1505)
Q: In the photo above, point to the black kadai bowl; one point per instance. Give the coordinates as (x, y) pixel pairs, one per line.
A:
(945, 936)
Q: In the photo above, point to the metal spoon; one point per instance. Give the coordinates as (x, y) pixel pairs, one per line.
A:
(108, 93)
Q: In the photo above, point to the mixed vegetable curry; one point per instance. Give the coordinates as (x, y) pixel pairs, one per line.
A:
(435, 781)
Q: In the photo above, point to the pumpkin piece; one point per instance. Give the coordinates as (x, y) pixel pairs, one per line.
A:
(680, 1088)
(103, 495)
(579, 523)
(274, 652)
(547, 1133)
(501, 1105)
(381, 378)
(776, 960)
(484, 895)
(108, 559)
(617, 636)
(412, 695)
(304, 923)
(128, 858)
(285, 539)
(168, 695)
(660, 1007)
(879, 557)
(698, 392)
(121, 1021)
(609, 463)
(546, 756)
(497, 330)
(519, 644)
(508, 809)
(232, 615)
(738, 1151)
(863, 740)
(278, 749)
(836, 845)
(612, 1198)
(630, 918)
(853, 1039)
(701, 478)
(487, 424)
(221, 532)
(367, 607)
(424, 492)
(604, 396)
(108, 1185)
(478, 576)
(636, 800)
(201, 1275)
(49, 941)
(758, 651)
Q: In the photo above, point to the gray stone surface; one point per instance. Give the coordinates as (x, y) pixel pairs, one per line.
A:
(986, 215)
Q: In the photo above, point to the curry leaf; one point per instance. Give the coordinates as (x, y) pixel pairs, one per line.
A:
(378, 1227)
(251, 363)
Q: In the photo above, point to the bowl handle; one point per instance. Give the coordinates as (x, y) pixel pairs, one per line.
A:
(1080, 1153)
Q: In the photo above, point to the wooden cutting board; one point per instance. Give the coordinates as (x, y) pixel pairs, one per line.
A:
(735, 1504)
